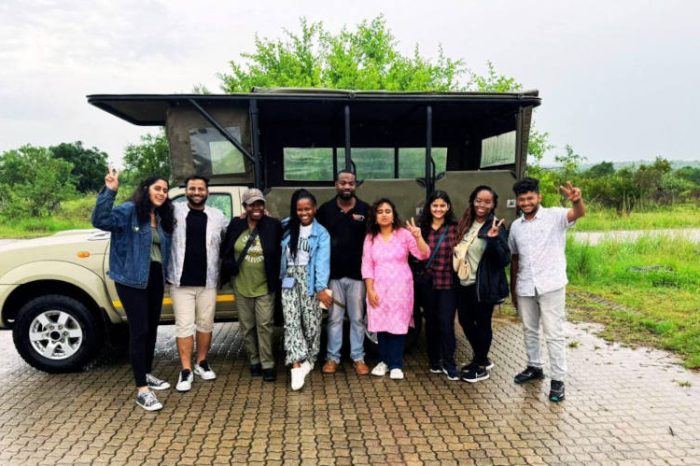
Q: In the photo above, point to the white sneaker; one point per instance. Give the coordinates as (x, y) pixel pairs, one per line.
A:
(184, 382)
(308, 367)
(380, 369)
(154, 383)
(204, 371)
(298, 377)
(396, 374)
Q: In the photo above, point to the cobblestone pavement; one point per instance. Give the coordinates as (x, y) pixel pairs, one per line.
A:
(623, 406)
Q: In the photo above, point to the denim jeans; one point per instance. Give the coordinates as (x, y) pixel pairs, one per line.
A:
(391, 348)
(547, 309)
(352, 294)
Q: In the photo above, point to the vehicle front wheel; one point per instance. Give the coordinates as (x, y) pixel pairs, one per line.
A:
(56, 333)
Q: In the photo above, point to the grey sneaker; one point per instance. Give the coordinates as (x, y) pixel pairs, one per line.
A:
(154, 383)
(204, 371)
(148, 401)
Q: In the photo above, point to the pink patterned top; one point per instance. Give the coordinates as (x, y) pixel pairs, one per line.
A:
(386, 262)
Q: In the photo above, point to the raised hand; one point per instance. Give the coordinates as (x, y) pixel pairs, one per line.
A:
(495, 227)
(571, 192)
(411, 226)
(112, 178)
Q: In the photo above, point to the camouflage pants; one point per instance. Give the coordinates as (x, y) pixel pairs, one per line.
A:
(302, 319)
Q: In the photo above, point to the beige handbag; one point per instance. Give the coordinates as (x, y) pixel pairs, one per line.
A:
(460, 259)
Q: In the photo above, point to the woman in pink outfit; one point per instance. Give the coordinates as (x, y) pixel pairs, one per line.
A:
(390, 282)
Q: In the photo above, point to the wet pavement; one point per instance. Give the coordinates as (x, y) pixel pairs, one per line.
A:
(623, 406)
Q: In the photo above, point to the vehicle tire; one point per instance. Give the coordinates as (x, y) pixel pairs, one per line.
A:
(56, 333)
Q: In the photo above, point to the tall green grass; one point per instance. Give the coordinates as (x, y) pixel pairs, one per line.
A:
(655, 279)
(73, 214)
(675, 216)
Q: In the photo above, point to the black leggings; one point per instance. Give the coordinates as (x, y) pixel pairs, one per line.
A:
(475, 319)
(439, 310)
(142, 307)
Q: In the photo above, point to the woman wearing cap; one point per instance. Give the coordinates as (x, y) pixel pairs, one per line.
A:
(251, 257)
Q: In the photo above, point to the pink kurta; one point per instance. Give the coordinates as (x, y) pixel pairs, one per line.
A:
(387, 263)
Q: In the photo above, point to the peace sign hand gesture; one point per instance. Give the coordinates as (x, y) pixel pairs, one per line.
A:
(411, 226)
(571, 192)
(495, 227)
(112, 179)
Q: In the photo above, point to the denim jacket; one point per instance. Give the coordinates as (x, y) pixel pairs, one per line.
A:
(130, 243)
(318, 270)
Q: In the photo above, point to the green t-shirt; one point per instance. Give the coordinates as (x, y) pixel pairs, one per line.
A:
(251, 280)
(155, 245)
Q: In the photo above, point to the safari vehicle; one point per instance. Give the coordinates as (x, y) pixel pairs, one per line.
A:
(54, 292)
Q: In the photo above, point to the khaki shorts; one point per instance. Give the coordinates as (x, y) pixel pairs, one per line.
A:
(194, 309)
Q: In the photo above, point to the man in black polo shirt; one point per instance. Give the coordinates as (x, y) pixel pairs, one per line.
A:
(344, 217)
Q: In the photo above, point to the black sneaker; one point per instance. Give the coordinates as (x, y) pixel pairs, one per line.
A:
(488, 365)
(452, 373)
(556, 391)
(529, 374)
(474, 373)
(256, 370)
(269, 375)
(435, 368)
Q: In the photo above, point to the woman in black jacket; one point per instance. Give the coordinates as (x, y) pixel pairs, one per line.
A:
(251, 256)
(480, 259)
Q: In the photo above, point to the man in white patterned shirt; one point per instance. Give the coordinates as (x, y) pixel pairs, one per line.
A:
(538, 280)
(193, 273)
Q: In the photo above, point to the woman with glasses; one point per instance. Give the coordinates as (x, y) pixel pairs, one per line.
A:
(480, 259)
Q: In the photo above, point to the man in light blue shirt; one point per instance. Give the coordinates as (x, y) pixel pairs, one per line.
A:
(538, 280)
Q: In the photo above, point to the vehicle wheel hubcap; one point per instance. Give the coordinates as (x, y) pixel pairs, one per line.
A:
(55, 335)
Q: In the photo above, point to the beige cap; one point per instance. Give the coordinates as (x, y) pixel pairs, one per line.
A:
(252, 195)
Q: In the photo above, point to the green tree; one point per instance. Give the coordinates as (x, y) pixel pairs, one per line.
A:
(89, 164)
(33, 182)
(365, 58)
(601, 169)
(150, 157)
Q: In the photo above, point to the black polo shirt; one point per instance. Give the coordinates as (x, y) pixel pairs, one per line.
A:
(347, 232)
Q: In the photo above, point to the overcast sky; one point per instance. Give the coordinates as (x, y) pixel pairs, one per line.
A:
(620, 80)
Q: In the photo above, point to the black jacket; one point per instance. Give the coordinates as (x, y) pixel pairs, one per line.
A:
(270, 233)
(491, 283)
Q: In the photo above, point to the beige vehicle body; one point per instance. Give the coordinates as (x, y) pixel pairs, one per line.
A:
(54, 291)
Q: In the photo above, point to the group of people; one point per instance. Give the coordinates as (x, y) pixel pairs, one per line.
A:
(346, 256)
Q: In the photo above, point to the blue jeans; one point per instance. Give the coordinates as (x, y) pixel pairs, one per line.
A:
(391, 348)
(352, 294)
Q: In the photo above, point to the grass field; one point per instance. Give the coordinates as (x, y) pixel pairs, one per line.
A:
(676, 216)
(650, 291)
(73, 214)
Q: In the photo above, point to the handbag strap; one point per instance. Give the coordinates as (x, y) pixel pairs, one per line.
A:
(248, 244)
(437, 247)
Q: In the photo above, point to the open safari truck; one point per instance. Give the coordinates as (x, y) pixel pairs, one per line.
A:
(55, 293)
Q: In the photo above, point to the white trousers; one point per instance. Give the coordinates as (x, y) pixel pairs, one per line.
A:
(547, 309)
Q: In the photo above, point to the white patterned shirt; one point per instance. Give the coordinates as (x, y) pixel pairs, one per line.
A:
(540, 244)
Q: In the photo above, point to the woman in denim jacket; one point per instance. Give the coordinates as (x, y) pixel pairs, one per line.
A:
(139, 251)
(305, 271)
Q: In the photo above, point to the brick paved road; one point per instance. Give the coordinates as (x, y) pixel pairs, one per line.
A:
(623, 407)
